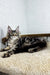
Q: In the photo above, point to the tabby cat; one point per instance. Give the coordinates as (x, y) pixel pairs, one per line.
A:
(17, 44)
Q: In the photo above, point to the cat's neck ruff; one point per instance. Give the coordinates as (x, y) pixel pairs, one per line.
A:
(11, 40)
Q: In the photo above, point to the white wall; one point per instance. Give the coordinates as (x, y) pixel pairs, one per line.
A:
(38, 15)
(12, 12)
(33, 16)
(0, 38)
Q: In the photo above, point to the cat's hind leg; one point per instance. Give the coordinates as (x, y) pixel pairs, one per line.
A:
(31, 50)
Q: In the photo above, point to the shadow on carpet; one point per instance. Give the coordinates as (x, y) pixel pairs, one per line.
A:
(2, 73)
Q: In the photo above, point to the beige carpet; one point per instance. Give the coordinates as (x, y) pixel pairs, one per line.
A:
(37, 63)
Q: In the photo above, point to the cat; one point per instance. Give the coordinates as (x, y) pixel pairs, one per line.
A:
(19, 44)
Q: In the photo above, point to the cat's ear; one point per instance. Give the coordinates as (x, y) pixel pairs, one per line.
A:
(9, 29)
(17, 30)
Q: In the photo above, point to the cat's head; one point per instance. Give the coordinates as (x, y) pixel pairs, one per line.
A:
(13, 32)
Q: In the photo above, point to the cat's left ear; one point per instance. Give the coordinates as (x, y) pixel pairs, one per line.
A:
(9, 29)
(17, 30)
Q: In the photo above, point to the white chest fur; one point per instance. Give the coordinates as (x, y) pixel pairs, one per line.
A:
(12, 40)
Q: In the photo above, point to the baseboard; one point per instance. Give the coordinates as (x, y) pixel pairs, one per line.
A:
(37, 35)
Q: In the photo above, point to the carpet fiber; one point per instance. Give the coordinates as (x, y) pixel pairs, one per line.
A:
(37, 63)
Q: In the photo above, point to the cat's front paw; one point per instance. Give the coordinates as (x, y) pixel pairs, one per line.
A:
(6, 55)
(2, 50)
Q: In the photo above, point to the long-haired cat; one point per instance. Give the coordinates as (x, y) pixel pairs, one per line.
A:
(17, 44)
